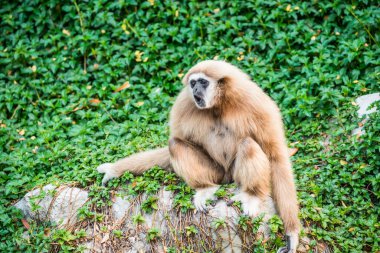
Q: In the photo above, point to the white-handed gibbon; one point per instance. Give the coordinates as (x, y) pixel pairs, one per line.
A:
(224, 128)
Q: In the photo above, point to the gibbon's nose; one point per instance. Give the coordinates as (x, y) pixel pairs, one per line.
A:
(197, 91)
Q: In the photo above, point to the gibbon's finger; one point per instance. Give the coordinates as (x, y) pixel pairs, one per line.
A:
(109, 172)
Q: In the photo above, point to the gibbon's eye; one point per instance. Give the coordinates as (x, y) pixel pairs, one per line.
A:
(204, 82)
(192, 83)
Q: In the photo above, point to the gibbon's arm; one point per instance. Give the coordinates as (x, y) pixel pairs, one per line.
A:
(136, 163)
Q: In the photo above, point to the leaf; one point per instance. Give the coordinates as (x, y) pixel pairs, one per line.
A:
(342, 162)
(292, 151)
(47, 232)
(25, 223)
(124, 86)
(33, 68)
(140, 103)
(95, 101)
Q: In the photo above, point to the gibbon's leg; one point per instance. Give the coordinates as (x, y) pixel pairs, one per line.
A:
(197, 169)
(252, 173)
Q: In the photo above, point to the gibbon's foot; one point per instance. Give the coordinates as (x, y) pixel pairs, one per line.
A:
(109, 172)
(250, 203)
(202, 195)
(291, 243)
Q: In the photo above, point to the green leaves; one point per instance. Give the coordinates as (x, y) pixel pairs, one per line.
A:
(150, 204)
(313, 58)
(153, 234)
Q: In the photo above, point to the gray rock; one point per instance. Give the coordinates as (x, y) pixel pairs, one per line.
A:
(55, 204)
(60, 205)
(364, 103)
(120, 207)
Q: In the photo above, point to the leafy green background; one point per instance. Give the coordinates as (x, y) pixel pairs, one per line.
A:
(62, 61)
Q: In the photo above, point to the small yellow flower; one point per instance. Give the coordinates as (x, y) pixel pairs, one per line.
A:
(21, 132)
(240, 58)
(66, 32)
(337, 77)
(176, 13)
(180, 75)
(217, 10)
(356, 81)
(138, 55)
(140, 103)
(151, 2)
(124, 28)
(288, 8)
(34, 68)
(313, 37)
(35, 149)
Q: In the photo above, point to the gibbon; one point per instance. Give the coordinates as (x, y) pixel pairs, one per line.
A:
(224, 128)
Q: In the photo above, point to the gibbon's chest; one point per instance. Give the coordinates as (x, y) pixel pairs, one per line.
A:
(214, 136)
(221, 144)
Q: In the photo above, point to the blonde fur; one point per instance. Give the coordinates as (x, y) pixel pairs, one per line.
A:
(239, 138)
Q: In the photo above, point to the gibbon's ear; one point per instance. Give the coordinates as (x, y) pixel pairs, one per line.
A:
(223, 81)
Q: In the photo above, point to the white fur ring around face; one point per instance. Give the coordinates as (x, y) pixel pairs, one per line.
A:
(109, 172)
(250, 204)
(202, 195)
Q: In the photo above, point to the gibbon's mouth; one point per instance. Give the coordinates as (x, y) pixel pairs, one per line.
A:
(199, 101)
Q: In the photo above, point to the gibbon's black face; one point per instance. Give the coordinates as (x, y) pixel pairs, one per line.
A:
(202, 89)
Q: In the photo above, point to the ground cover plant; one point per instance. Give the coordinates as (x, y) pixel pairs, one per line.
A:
(87, 82)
